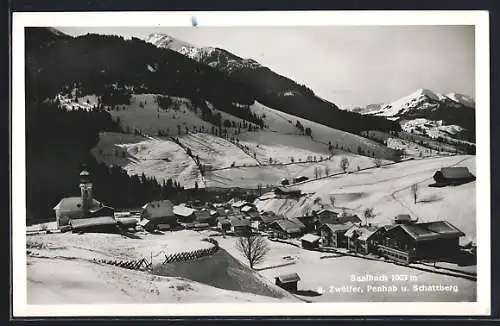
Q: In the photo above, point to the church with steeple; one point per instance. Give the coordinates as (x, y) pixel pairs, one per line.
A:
(83, 207)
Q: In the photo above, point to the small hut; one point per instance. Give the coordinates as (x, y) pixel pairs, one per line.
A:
(288, 281)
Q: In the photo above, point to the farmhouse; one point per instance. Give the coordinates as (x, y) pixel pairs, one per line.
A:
(362, 239)
(287, 281)
(333, 235)
(240, 226)
(310, 241)
(287, 228)
(453, 175)
(204, 216)
(159, 212)
(239, 204)
(410, 242)
(84, 206)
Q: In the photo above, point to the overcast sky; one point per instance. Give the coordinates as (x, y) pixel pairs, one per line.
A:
(347, 65)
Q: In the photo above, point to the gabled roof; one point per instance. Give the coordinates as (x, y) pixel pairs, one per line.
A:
(363, 232)
(324, 210)
(297, 222)
(288, 278)
(75, 204)
(159, 208)
(337, 227)
(247, 208)
(92, 221)
(269, 218)
(183, 210)
(431, 230)
(143, 222)
(288, 226)
(310, 238)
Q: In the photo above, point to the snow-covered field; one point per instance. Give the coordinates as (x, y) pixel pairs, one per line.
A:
(327, 276)
(155, 157)
(386, 189)
(252, 176)
(63, 271)
(215, 152)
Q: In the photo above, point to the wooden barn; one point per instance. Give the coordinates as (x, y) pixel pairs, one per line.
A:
(241, 227)
(184, 214)
(288, 281)
(102, 224)
(205, 217)
(453, 175)
(411, 242)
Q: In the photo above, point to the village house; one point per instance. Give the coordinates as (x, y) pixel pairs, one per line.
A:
(453, 175)
(309, 222)
(159, 212)
(240, 227)
(223, 224)
(330, 216)
(205, 217)
(287, 228)
(333, 235)
(239, 204)
(85, 206)
(287, 281)
(362, 239)
(310, 241)
(265, 219)
(184, 215)
(410, 242)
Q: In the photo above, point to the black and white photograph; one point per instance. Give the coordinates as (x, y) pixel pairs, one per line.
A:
(268, 164)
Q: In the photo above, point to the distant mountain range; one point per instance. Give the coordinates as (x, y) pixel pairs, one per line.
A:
(430, 113)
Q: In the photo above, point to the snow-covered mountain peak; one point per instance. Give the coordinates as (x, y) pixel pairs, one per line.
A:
(167, 41)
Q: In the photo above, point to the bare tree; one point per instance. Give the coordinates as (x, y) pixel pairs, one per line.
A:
(344, 164)
(368, 214)
(414, 192)
(253, 247)
(377, 162)
(332, 200)
(327, 171)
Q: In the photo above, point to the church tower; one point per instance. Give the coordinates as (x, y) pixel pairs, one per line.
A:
(86, 192)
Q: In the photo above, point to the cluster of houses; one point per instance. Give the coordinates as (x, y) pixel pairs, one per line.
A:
(405, 240)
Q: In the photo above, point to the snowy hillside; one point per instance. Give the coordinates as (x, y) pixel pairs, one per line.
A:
(387, 190)
(155, 157)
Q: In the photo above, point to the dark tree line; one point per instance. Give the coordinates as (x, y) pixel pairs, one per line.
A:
(58, 142)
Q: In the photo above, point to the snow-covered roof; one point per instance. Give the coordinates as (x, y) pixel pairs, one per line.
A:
(337, 227)
(247, 208)
(92, 221)
(310, 238)
(288, 226)
(288, 278)
(183, 210)
(72, 204)
(143, 222)
(431, 230)
(363, 232)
